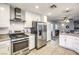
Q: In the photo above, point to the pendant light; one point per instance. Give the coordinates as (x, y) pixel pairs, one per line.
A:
(66, 20)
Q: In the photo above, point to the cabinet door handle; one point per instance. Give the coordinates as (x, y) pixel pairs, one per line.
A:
(8, 48)
(65, 40)
(77, 48)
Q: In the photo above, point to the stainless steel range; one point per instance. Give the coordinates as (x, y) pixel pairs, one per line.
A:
(19, 43)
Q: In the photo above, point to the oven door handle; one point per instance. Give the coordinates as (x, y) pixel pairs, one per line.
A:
(19, 41)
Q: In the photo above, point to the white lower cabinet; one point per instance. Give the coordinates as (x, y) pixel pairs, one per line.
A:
(75, 44)
(31, 42)
(76, 47)
(5, 48)
(4, 16)
(62, 41)
(69, 42)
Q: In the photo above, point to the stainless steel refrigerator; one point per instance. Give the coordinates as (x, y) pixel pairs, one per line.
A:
(40, 31)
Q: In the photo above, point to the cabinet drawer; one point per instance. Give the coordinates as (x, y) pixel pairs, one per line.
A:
(5, 51)
(17, 53)
(5, 48)
(76, 45)
(4, 43)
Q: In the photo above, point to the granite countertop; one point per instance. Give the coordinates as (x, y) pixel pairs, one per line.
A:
(70, 34)
(4, 37)
(29, 34)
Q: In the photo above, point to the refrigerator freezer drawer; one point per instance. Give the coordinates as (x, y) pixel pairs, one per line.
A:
(40, 43)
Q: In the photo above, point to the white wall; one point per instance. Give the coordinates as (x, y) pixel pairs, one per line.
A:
(49, 29)
(70, 24)
(55, 26)
(53, 29)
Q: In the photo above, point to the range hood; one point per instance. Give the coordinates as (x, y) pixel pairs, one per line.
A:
(17, 14)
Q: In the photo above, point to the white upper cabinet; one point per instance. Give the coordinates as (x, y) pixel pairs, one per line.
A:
(29, 17)
(4, 15)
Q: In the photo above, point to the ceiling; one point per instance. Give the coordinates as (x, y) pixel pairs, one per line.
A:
(56, 13)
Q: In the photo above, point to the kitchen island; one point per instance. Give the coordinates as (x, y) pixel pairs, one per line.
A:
(70, 41)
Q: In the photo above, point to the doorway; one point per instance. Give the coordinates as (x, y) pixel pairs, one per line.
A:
(54, 31)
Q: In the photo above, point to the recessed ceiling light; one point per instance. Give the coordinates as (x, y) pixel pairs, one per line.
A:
(67, 8)
(62, 24)
(36, 7)
(45, 18)
(2, 8)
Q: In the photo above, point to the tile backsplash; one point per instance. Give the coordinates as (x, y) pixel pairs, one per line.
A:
(16, 26)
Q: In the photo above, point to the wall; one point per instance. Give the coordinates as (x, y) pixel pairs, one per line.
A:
(48, 31)
(55, 26)
(50, 28)
(70, 24)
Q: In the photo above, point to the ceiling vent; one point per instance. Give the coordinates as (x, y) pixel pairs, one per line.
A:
(53, 6)
(67, 11)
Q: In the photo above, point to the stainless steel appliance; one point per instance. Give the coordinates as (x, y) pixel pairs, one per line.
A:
(19, 43)
(17, 13)
(40, 31)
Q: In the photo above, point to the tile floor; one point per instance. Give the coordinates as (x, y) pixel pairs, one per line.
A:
(52, 48)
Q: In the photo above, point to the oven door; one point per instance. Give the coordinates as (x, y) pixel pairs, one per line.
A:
(20, 44)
